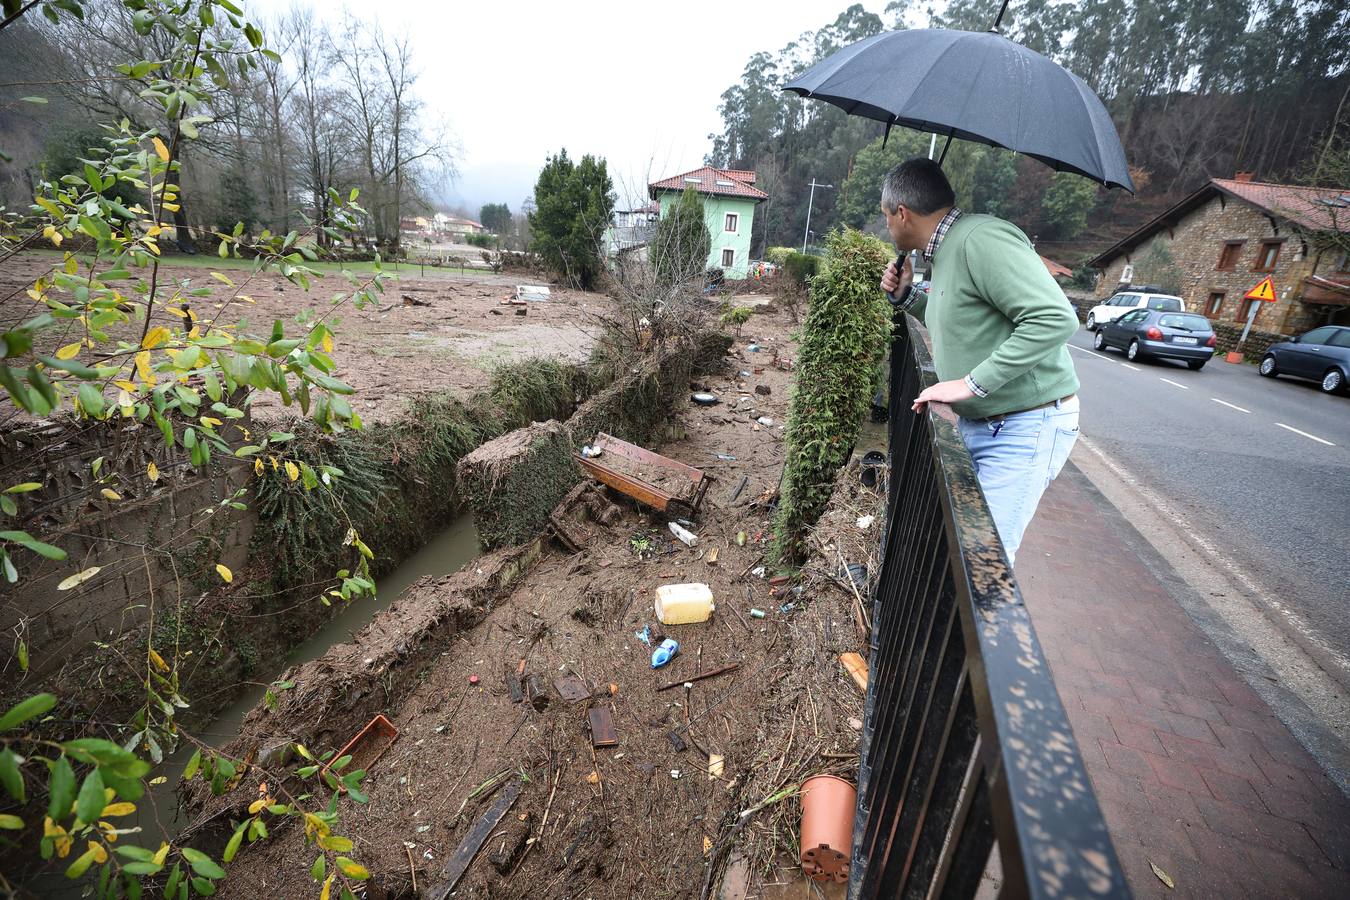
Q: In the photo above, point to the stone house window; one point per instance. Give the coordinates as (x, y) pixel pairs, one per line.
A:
(1247, 310)
(1215, 304)
(732, 221)
(1228, 256)
(1268, 255)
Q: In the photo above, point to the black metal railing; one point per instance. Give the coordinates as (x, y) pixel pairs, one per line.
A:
(965, 744)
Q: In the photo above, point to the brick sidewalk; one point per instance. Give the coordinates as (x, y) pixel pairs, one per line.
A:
(1192, 769)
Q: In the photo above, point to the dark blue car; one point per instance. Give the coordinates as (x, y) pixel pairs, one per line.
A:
(1322, 354)
(1152, 333)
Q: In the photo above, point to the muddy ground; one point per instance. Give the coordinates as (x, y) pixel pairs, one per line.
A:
(645, 817)
(430, 333)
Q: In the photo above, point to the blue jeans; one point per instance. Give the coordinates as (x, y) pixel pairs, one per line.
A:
(1016, 458)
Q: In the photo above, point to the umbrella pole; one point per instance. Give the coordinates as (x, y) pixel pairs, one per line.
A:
(1001, 11)
(947, 144)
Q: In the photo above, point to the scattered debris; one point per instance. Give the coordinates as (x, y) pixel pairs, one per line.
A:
(1162, 876)
(711, 558)
(571, 688)
(473, 679)
(703, 398)
(647, 477)
(855, 723)
(537, 695)
(763, 390)
(591, 452)
(364, 749)
(459, 861)
(745, 479)
(765, 421)
(601, 722)
(665, 652)
(865, 522)
(684, 604)
(516, 839)
(725, 457)
(532, 292)
(827, 827)
(857, 668)
(645, 635)
(711, 673)
(756, 613)
(688, 538)
(716, 765)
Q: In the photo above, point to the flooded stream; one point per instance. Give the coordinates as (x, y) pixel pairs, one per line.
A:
(443, 554)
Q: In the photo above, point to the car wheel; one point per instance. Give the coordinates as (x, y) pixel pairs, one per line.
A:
(1195, 365)
(1132, 352)
(1268, 366)
(1333, 382)
(1092, 322)
(1099, 341)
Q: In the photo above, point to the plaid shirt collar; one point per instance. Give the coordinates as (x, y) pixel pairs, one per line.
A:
(940, 232)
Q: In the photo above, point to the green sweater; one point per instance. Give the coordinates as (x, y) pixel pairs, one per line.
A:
(995, 314)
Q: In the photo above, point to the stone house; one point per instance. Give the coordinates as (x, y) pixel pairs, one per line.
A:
(729, 199)
(1218, 243)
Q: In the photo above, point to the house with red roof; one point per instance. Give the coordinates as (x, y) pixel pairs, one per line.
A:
(729, 200)
(1230, 234)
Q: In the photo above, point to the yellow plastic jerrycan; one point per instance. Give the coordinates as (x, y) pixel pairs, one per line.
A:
(683, 604)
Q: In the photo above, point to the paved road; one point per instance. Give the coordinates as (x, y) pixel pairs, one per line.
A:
(1261, 465)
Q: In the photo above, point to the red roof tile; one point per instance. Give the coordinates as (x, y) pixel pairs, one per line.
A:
(707, 180)
(1056, 270)
(1303, 206)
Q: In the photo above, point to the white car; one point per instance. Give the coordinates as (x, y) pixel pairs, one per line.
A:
(1125, 301)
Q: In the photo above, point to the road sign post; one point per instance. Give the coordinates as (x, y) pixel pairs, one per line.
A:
(1263, 291)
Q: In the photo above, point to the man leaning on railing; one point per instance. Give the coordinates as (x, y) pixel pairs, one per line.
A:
(1000, 327)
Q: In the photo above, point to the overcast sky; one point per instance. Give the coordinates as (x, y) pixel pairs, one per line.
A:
(638, 83)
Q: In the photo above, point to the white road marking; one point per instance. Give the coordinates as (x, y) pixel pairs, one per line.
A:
(1132, 368)
(1229, 405)
(1089, 352)
(1173, 383)
(1305, 434)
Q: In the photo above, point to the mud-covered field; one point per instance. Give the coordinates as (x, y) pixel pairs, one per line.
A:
(430, 333)
(656, 815)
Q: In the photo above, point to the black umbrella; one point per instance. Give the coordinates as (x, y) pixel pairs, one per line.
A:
(977, 86)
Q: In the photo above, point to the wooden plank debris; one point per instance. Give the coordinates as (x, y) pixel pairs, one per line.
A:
(473, 842)
(603, 733)
(857, 667)
(711, 673)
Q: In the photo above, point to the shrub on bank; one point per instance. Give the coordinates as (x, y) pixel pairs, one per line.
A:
(801, 268)
(842, 339)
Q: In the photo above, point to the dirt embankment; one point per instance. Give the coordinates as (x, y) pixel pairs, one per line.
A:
(656, 815)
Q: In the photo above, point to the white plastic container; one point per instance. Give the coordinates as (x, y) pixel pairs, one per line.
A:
(684, 604)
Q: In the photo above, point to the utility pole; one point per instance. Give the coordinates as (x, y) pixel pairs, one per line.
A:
(809, 203)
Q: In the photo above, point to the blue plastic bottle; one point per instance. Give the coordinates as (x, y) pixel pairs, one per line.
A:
(665, 652)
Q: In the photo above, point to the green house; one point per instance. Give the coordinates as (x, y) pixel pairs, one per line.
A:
(729, 198)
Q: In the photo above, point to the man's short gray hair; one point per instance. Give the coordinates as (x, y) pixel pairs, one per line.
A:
(917, 184)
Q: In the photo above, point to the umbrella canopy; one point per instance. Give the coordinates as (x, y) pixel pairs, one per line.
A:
(977, 86)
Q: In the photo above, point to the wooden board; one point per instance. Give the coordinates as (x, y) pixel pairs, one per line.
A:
(459, 863)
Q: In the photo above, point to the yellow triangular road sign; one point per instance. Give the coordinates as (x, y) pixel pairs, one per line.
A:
(1263, 291)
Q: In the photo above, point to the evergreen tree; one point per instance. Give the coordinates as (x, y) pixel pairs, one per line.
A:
(680, 250)
(573, 206)
(496, 218)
